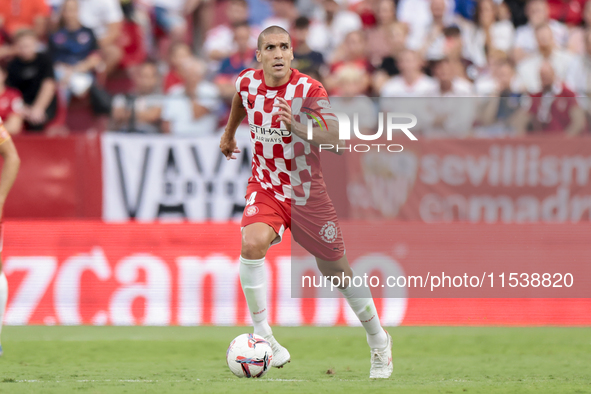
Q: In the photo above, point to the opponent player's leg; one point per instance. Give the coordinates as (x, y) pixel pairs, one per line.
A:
(256, 240)
(3, 297)
(361, 302)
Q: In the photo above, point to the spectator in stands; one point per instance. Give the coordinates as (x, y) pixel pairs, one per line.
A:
(11, 106)
(74, 51)
(528, 70)
(105, 18)
(16, 15)
(576, 39)
(192, 109)
(488, 33)
(352, 52)
(305, 59)
(526, 43)
(467, 9)
(329, 29)
(411, 82)
(243, 58)
(178, 53)
(352, 97)
(219, 40)
(379, 37)
(284, 14)
(396, 42)
(569, 12)
(418, 16)
(453, 51)
(140, 111)
(170, 16)
(451, 111)
(32, 74)
(499, 112)
(432, 37)
(578, 76)
(517, 11)
(449, 84)
(554, 110)
(486, 84)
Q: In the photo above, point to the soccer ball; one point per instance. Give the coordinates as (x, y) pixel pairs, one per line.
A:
(249, 356)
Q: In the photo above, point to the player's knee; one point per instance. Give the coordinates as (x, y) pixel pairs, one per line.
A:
(339, 268)
(254, 247)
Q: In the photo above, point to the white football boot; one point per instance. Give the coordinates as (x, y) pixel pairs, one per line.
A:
(280, 354)
(381, 361)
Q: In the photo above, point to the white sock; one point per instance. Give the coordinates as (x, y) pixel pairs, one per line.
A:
(3, 297)
(365, 310)
(253, 278)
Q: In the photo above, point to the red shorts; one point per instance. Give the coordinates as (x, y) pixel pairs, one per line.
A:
(314, 226)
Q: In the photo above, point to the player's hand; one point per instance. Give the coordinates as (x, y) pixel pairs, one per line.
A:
(284, 112)
(228, 147)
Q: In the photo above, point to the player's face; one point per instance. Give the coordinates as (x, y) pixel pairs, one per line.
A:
(276, 54)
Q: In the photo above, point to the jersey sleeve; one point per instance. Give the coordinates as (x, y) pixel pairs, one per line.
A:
(240, 78)
(317, 100)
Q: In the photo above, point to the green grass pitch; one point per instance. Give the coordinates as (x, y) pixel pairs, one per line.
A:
(192, 360)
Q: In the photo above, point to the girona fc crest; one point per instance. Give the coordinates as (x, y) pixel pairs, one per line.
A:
(328, 233)
(251, 211)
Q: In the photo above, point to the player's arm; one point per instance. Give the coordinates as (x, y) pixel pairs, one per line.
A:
(237, 115)
(320, 136)
(9, 169)
(14, 123)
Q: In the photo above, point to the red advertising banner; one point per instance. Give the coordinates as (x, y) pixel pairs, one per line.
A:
(88, 272)
(484, 181)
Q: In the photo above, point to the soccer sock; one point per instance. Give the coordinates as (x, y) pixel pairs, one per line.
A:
(365, 310)
(3, 297)
(253, 279)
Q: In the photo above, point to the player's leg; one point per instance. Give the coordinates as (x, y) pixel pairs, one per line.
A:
(3, 297)
(361, 302)
(256, 240)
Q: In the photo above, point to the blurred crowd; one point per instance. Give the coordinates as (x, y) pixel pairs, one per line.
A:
(169, 66)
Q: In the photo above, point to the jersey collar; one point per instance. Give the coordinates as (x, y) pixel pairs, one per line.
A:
(293, 72)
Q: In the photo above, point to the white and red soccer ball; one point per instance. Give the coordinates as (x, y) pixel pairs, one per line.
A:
(249, 356)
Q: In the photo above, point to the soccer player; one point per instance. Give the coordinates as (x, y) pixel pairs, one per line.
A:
(9, 171)
(281, 177)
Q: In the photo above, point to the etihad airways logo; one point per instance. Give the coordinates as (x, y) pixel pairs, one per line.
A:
(272, 135)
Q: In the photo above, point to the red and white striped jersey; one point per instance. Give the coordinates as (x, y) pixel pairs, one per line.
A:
(282, 162)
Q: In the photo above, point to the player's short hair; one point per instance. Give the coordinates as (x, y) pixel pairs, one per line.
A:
(22, 33)
(302, 22)
(271, 30)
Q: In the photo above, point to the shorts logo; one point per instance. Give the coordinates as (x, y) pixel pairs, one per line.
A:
(251, 211)
(328, 233)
